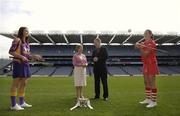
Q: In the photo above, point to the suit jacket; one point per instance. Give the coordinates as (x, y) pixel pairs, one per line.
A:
(102, 56)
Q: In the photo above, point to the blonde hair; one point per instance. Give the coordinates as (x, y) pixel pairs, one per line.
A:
(77, 47)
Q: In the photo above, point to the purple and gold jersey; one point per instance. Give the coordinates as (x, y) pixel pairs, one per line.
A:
(20, 48)
(20, 69)
(25, 50)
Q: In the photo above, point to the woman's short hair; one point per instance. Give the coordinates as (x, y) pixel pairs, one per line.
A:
(77, 47)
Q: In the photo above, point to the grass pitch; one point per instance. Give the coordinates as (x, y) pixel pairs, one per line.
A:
(55, 96)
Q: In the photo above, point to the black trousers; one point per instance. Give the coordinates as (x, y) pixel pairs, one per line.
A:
(100, 75)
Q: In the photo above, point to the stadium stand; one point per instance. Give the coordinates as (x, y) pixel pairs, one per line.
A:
(4, 66)
(58, 48)
(116, 70)
(64, 70)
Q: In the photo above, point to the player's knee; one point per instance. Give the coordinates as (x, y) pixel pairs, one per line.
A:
(146, 83)
(15, 84)
(23, 83)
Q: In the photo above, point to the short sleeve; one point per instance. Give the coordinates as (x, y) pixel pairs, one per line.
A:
(14, 45)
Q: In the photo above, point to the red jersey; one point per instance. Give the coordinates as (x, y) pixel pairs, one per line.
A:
(150, 46)
(150, 66)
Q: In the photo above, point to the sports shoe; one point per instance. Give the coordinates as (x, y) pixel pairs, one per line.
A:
(16, 107)
(146, 101)
(151, 104)
(25, 105)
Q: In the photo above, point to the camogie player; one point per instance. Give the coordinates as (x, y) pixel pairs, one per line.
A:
(20, 52)
(150, 68)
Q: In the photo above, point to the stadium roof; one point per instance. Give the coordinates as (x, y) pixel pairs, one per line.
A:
(73, 37)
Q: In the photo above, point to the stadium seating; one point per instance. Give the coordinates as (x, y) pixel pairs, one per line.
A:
(58, 49)
(64, 50)
(64, 70)
(116, 70)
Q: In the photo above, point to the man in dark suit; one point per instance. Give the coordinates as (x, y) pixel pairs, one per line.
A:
(99, 57)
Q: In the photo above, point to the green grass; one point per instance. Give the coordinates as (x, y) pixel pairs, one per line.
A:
(55, 96)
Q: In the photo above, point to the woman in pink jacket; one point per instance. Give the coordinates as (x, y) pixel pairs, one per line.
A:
(80, 64)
